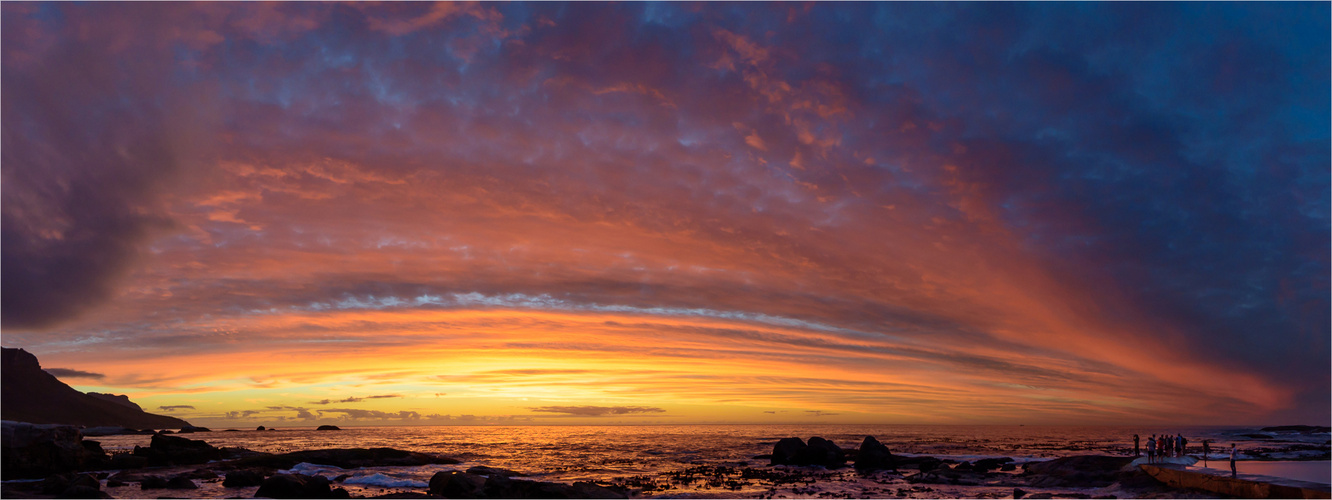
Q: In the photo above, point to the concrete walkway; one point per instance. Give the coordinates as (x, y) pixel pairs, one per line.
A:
(1242, 485)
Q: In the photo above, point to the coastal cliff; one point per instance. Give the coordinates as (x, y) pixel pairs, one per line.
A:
(29, 394)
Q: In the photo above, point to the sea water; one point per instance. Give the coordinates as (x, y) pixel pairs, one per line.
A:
(610, 453)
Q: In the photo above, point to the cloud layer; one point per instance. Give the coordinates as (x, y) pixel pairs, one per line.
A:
(874, 212)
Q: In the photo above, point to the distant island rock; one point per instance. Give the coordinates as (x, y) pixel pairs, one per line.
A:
(29, 394)
(328, 428)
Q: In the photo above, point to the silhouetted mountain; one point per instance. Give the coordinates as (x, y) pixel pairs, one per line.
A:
(119, 399)
(28, 394)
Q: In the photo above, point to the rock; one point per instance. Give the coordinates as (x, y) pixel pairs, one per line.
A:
(873, 455)
(83, 491)
(260, 428)
(152, 482)
(989, 464)
(502, 487)
(1086, 471)
(55, 484)
(454, 484)
(1041, 496)
(191, 429)
(785, 451)
(34, 450)
(295, 486)
(328, 428)
(172, 450)
(204, 474)
(242, 478)
(821, 451)
(490, 471)
(181, 483)
(1007, 467)
(929, 465)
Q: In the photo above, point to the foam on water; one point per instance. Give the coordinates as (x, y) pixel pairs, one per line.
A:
(383, 481)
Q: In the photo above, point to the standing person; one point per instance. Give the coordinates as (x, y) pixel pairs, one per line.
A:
(1232, 460)
(1136, 450)
(1151, 449)
(1183, 444)
(1206, 449)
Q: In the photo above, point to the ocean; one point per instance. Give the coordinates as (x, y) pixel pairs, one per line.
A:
(659, 455)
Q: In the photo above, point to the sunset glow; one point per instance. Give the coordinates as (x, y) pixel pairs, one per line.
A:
(456, 213)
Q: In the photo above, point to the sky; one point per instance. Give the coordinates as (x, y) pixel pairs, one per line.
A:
(292, 214)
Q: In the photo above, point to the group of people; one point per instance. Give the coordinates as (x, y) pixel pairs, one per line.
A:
(1162, 447)
(1159, 448)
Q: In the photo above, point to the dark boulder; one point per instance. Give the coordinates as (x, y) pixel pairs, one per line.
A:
(191, 429)
(152, 482)
(327, 428)
(1091, 471)
(172, 450)
(55, 485)
(490, 471)
(260, 428)
(786, 450)
(295, 486)
(873, 455)
(502, 487)
(821, 451)
(181, 482)
(34, 450)
(454, 484)
(242, 478)
(83, 491)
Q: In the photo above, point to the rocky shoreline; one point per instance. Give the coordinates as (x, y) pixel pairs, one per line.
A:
(58, 461)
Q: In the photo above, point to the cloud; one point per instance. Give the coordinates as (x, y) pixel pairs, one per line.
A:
(175, 407)
(356, 414)
(242, 413)
(972, 220)
(596, 411)
(354, 399)
(71, 373)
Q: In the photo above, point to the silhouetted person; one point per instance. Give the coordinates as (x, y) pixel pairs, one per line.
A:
(1232, 460)
(1180, 443)
(1151, 449)
(1206, 449)
(1136, 453)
